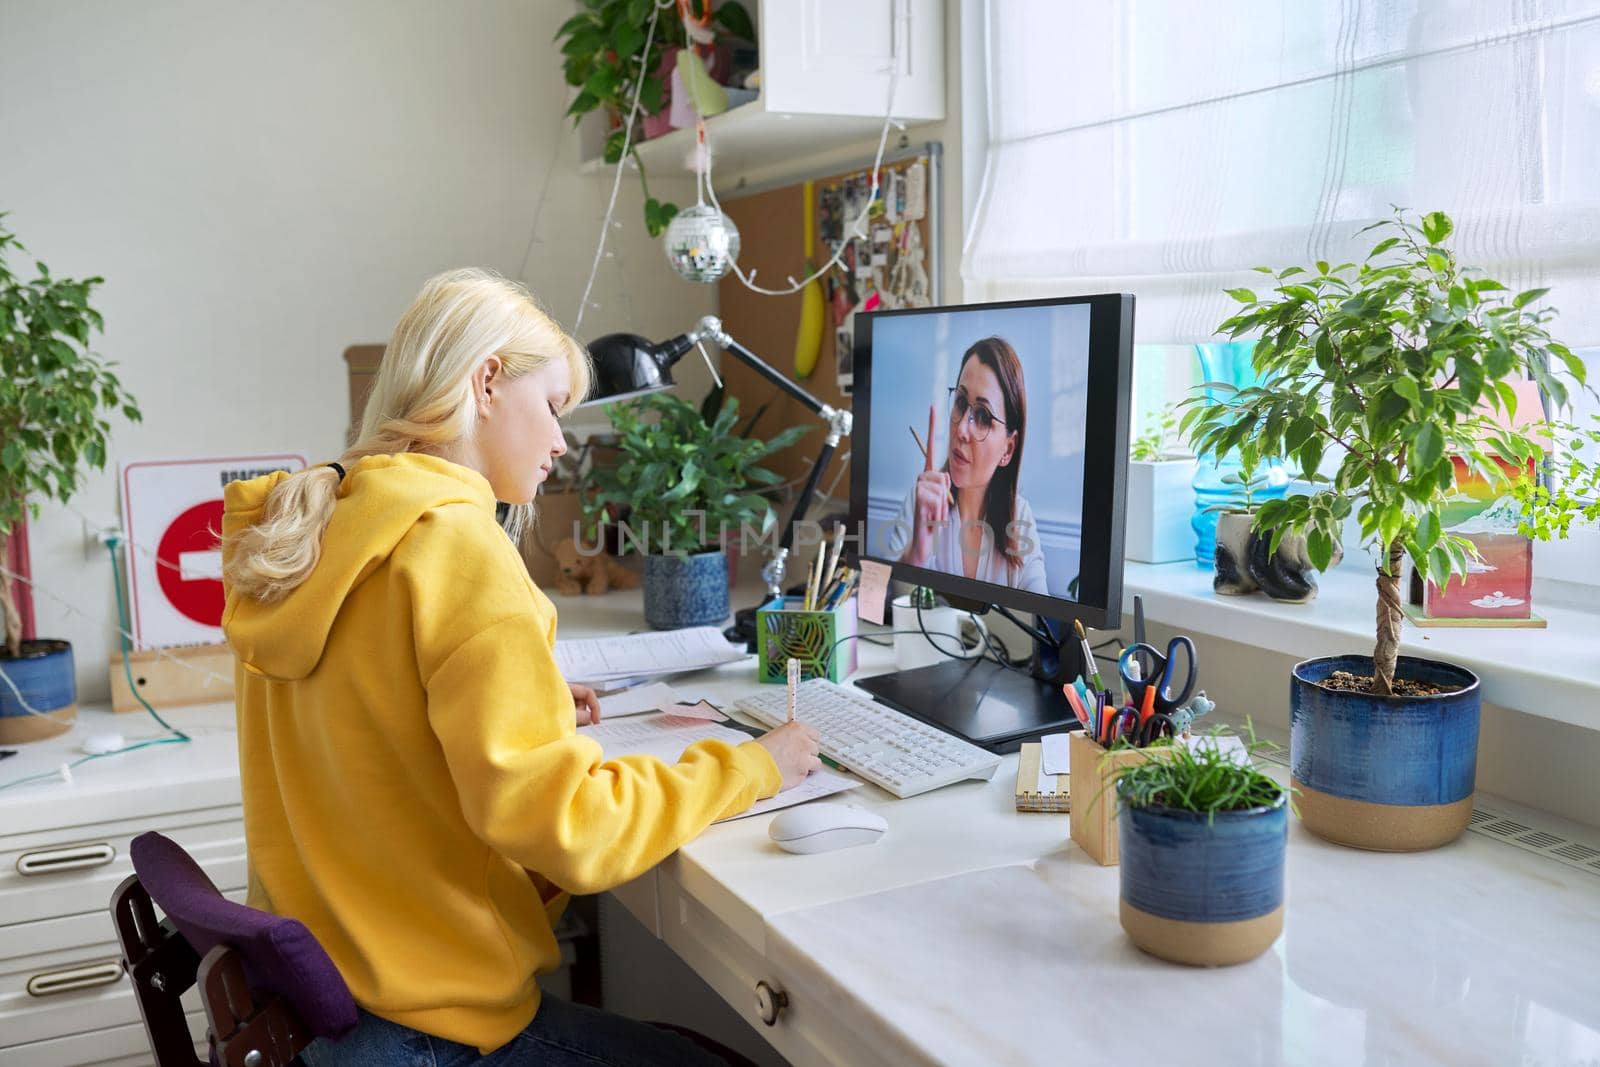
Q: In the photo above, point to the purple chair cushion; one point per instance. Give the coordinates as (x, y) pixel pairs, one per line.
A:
(280, 955)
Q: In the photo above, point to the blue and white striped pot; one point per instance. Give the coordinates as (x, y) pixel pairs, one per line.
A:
(1203, 889)
(684, 591)
(47, 682)
(1392, 774)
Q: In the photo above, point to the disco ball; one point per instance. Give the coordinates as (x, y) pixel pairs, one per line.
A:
(702, 243)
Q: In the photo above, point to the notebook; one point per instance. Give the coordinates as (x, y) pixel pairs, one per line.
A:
(1036, 790)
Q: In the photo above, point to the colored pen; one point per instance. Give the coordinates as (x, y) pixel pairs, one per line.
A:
(1089, 667)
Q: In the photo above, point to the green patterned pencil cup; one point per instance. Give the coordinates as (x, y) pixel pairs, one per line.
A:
(814, 638)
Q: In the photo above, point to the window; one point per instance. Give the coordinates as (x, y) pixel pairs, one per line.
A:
(1164, 147)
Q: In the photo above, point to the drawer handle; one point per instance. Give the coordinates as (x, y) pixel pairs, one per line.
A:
(85, 977)
(770, 1002)
(71, 858)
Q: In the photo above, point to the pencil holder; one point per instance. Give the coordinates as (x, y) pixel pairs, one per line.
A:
(820, 640)
(1092, 775)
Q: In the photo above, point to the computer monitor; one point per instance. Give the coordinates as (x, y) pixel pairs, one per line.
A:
(1020, 504)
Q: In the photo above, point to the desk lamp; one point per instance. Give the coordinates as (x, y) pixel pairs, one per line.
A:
(627, 366)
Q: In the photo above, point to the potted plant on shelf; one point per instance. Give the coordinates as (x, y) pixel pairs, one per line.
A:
(1160, 492)
(688, 483)
(604, 58)
(1202, 842)
(1250, 559)
(1390, 368)
(53, 390)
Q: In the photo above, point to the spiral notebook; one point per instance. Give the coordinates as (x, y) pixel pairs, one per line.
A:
(1036, 790)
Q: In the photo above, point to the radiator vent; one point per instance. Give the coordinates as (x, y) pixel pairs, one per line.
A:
(1518, 831)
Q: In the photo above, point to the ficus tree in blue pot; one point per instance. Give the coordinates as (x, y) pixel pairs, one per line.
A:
(1391, 369)
(54, 394)
(686, 485)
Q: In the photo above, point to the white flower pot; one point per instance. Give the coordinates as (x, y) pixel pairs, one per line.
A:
(1160, 503)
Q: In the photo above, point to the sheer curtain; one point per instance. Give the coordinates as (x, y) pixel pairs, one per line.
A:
(1164, 147)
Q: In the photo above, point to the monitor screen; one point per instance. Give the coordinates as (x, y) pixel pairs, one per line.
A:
(994, 441)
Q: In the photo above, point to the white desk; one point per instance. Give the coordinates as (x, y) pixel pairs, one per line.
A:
(971, 934)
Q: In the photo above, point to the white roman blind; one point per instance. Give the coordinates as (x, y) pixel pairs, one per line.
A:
(1164, 147)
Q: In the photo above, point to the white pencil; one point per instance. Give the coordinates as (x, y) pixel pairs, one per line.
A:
(832, 570)
(794, 680)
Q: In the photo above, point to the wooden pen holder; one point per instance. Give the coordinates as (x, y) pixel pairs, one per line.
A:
(821, 640)
(1093, 774)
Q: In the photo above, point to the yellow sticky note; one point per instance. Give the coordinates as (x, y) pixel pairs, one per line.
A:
(874, 591)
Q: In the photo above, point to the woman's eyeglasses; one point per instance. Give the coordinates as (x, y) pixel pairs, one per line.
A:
(983, 420)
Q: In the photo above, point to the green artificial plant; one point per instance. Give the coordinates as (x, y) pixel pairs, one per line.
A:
(53, 391)
(1201, 778)
(684, 478)
(1393, 366)
(604, 58)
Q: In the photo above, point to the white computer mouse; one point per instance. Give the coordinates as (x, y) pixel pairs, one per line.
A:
(818, 827)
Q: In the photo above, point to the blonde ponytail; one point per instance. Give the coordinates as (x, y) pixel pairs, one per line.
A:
(421, 401)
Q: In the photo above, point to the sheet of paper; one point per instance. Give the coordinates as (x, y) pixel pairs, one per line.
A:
(873, 592)
(1053, 758)
(638, 701)
(1047, 781)
(700, 709)
(599, 659)
(1227, 744)
(818, 784)
(666, 736)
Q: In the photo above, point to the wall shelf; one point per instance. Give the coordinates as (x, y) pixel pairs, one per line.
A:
(825, 83)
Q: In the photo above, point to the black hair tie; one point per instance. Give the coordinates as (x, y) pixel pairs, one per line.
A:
(338, 470)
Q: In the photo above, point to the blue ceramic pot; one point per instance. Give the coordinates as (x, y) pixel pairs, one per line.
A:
(1395, 773)
(1205, 890)
(45, 677)
(684, 591)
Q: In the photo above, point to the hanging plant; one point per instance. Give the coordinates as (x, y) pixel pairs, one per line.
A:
(609, 54)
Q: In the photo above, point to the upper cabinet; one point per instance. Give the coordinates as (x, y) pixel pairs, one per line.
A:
(825, 80)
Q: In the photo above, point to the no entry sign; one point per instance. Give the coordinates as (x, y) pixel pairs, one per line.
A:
(172, 513)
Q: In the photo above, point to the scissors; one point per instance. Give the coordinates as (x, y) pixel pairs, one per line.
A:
(1142, 668)
(1127, 726)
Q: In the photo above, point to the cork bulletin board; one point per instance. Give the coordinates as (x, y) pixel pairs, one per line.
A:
(895, 265)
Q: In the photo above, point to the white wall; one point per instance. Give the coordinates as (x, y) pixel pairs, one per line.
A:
(263, 185)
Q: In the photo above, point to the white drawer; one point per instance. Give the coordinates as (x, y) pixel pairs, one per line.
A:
(807, 1032)
(117, 1046)
(25, 945)
(54, 872)
(69, 994)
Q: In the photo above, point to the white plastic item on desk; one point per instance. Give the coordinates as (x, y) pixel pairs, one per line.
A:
(825, 827)
(98, 744)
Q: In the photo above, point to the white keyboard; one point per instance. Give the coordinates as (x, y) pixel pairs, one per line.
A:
(883, 746)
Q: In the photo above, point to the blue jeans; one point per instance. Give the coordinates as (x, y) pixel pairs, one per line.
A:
(561, 1034)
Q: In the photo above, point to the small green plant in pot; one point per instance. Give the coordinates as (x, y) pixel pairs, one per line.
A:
(1202, 844)
(1394, 368)
(53, 394)
(1160, 492)
(688, 484)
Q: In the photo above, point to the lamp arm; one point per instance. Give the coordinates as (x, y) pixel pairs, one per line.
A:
(710, 328)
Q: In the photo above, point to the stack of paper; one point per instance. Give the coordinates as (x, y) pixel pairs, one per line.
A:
(598, 660)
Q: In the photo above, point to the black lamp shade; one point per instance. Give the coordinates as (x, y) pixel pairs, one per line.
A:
(626, 364)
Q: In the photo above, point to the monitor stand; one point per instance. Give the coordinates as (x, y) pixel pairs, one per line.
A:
(994, 707)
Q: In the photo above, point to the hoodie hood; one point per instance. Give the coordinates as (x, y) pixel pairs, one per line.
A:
(380, 500)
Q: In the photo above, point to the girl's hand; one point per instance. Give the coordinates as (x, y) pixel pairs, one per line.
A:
(586, 702)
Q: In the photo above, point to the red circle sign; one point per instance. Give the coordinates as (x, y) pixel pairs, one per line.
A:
(196, 530)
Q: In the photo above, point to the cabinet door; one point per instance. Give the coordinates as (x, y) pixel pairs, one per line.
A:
(833, 57)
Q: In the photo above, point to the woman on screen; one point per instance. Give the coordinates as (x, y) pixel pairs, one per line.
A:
(966, 517)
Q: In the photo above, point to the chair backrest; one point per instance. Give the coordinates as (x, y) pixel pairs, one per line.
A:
(266, 984)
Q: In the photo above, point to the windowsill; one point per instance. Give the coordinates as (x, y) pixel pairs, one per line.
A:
(1552, 672)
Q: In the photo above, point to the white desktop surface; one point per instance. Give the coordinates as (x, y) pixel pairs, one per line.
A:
(972, 934)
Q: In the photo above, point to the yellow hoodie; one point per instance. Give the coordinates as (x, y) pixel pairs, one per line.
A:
(414, 788)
